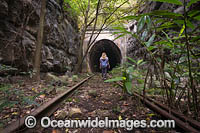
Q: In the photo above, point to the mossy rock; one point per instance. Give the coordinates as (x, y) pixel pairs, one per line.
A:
(62, 115)
(92, 93)
(54, 78)
(75, 112)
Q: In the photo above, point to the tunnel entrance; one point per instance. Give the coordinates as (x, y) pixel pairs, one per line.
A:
(112, 51)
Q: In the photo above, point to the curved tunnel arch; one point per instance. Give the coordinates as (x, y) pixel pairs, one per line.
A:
(112, 50)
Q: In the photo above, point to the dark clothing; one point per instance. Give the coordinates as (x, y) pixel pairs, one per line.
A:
(104, 72)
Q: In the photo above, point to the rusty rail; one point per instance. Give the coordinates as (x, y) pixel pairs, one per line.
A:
(181, 116)
(45, 108)
(183, 122)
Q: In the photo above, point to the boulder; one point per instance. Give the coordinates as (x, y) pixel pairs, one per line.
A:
(54, 78)
(62, 115)
(103, 113)
(75, 112)
(92, 93)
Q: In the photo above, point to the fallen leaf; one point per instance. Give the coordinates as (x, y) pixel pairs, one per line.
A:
(40, 86)
(42, 96)
(134, 115)
(148, 119)
(28, 106)
(122, 111)
(150, 115)
(28, 112)
(6, 116)
(35, 90)
(120, 117)
(125, 104)
(15, 113)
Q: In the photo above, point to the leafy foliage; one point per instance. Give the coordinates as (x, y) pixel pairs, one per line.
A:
(129, 71)
(6, 69)
(79, 8)
(177, 2)
(171, 41)
(13, 96)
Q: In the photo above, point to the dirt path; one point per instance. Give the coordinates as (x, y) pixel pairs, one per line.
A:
(99, 99)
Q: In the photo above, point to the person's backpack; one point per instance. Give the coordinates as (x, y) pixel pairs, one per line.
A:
(104, 63)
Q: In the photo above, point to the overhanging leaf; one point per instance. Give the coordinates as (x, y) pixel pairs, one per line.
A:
(181, 32)
(181, 22)
(144, 34)
(197, 17)
(148, 21)
(151, 48)
(128, 86)
(165, 13)
(118, 32)
(134, 35)
(139, 61)
(192, 2)
(121, 28)
(176, 2)
(193, 13)
(150, 41)
(120, 36)
(115, 79)
(189, 24)
(131, 17)
(168, 38)
(129, 70)
(132, 60)
(141, 23)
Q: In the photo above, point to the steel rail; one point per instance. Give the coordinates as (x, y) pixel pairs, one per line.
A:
(189, 126)
(45, 108)
(181, 116)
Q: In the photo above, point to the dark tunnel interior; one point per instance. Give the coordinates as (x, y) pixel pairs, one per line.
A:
(112, 51)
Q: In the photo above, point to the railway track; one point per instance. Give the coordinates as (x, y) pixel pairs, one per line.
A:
(183, 122)
(45, 109)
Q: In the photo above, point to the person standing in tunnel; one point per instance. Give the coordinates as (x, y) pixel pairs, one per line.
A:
(104, 65)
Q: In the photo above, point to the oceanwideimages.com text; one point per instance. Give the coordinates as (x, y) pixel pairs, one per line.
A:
(46, 122)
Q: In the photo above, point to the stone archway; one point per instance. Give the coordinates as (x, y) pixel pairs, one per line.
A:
(112, 50)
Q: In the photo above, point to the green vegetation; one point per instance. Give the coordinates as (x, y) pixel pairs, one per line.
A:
(171, 41)
(78, 8)
(97, 14)
(129, 72)
(15, 97)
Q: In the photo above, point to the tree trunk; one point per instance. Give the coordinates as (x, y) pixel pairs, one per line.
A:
(80, 53)
(92, 40)
(39, 42)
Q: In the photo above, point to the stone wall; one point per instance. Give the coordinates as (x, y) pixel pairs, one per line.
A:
(134, 49)
(19, 22)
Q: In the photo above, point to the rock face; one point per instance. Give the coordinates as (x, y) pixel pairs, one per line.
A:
(134, 49)
(19, 22)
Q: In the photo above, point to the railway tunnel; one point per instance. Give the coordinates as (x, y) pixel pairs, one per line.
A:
(112, 50)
